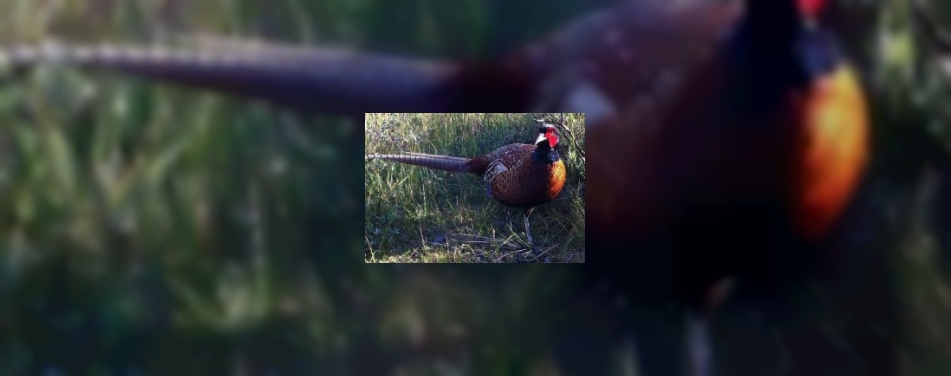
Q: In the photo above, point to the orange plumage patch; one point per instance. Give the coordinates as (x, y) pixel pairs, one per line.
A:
(558, 176)
(832, 152)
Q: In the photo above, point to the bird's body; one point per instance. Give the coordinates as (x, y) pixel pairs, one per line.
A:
(516, 175)
(735, 161)
(749, 127)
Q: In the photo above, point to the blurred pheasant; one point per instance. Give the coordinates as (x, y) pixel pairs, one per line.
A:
(517, 175)
(692, 107)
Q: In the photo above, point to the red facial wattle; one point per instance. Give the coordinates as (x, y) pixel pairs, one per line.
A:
(810, 8)
(552, 138)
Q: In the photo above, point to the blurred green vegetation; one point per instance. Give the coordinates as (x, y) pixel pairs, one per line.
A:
(151, 229)
(419, 215)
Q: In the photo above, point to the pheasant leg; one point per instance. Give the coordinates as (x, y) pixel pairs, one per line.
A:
(528, 231)
(698, 346)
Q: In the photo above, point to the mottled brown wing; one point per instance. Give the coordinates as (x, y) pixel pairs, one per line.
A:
(514, 178)
(627, 150)
(630, 53)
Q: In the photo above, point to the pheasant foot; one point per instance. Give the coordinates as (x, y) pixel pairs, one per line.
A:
(528, 230)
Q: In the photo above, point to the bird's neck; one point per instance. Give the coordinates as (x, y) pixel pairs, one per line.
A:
(774, 50)
(545, 154)
(775, 16)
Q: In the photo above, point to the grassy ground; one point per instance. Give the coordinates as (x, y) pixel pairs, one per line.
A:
(418, 215)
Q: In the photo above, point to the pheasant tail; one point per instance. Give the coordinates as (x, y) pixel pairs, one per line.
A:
(306, 79)
(436, 162)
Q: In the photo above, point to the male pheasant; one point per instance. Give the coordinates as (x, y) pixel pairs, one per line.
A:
(741, 165)
(740, 159)
(516, 175)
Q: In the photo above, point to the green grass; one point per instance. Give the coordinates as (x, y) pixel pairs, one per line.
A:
(414, 214)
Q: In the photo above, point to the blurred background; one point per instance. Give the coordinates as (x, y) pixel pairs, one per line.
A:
(154, 230)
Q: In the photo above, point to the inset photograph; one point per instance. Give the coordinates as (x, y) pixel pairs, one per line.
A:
(474, 188)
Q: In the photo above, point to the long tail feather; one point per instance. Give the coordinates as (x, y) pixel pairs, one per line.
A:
(305, 79)
(436, 162)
